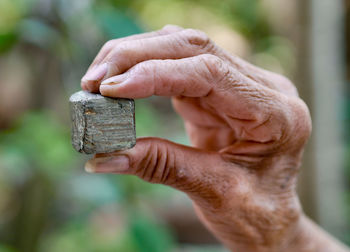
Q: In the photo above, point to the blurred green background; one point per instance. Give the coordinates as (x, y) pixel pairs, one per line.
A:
(47, 202)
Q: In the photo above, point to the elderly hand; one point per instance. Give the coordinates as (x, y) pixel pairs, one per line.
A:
(247, 126)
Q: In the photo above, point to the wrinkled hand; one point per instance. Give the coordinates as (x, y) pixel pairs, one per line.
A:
(247, 126)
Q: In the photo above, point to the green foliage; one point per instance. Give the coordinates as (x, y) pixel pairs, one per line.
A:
(150, 237)
(38, 33)
(147, 121)
(246, 15)
(11, 14)
(140, 235)
(4, 248)
(37, 139)
(92, 190)
(79, 237)
(110, 18)
(7, 40)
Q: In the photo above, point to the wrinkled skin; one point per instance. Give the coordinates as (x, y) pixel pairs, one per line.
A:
(247, 126)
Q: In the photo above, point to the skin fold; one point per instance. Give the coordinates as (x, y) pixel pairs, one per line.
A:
(247, 126)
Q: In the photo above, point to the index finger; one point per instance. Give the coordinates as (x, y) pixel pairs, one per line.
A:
(108, 47)
(112, 43)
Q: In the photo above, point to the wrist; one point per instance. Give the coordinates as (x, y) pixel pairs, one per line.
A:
(304, 236)
(308, 237)
(288, 240)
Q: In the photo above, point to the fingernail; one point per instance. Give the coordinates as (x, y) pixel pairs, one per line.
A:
(113, 164)
(115, 79)
(96, 73)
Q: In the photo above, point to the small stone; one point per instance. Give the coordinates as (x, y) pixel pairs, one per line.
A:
(102, 124)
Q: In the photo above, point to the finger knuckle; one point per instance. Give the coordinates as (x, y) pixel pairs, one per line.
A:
(121, 52)
(157, 166)
(297, 125)
(198, 39)
(120, 57)
(217, 69)
(285, 81)
(109, 44)
(284, 84)
(287, 85)
(303, 123)
(145, 68)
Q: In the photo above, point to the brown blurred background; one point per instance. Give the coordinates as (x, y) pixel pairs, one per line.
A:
(48, 203)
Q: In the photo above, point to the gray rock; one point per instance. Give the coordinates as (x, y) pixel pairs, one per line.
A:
(101, 124)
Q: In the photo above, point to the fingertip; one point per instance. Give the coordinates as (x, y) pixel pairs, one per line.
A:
(107, 90)
(124, 90)
(93, 77)
(96, 73)
(83, 86)
(109, 164)
(90, 166)
(117, 79)
(90, 86)
(87, 85)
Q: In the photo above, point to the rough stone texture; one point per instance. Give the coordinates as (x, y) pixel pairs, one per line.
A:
(101, 124)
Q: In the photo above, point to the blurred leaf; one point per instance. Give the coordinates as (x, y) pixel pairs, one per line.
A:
(115, 23)
(131, 186)
(7, 40)
(10, 14)
(147, 121)
(38, 139)
(246, 16)
(37, 32)
(4, 248)
(94, 188)
(77, 237)
(74, 237)
(249, 17)
(150, 237)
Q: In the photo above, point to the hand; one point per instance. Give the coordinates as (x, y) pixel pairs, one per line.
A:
(247, 127)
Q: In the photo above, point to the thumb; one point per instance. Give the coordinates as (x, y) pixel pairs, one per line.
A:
(162, 162)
